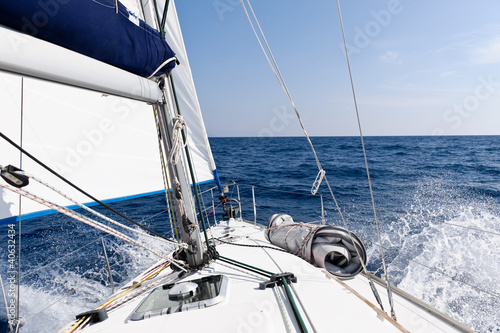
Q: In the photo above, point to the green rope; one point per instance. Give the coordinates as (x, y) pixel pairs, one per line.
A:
(254, 269)
(261, 271)
(296, 312)
(190, 164)
(158, 17)
(164, 18)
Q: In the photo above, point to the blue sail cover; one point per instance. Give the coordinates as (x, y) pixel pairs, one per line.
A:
(92, 28)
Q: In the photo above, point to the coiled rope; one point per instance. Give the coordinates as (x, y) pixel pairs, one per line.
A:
(321, 173)
(177, 142)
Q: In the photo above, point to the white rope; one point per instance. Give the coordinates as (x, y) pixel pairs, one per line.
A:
(126, 297)
(90, 210)
(161, 66)
(88, 221)
(177, 141)
(284, 313)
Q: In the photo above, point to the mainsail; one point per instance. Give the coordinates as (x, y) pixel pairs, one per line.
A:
(107, 142)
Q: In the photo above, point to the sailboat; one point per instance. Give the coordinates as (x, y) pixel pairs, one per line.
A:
(142, 133)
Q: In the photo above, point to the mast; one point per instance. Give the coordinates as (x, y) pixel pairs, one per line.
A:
(173, 139)
(182, 195)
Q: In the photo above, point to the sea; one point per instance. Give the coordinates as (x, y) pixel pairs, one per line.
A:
(437, 200)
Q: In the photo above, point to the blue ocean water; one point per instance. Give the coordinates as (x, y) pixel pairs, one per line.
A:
(437, 200)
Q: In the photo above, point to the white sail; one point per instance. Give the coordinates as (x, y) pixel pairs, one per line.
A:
(184, 84)
(101, 143)
(106, 144)
(188, 99)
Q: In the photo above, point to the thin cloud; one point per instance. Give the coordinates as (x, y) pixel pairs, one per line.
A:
(490, 53)
(478, 46)
(391, 57)
(444, 74)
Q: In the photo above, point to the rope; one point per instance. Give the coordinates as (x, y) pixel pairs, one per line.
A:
(84, 246)
(213, 209)
(138, 292)
(281, 304)
(161, 66)
(53, 262)
(295, 309)
(303, 308)
(177, 143)
(241, 270)
(90, 210)
(245, 266)
(88, 221)
(153, 273)
(68, 293)
(168, 193)
(369, 206)
(188, 156)
(380, 313)
(250, 245)
(281, 81)
(109, 304)
(76, 187)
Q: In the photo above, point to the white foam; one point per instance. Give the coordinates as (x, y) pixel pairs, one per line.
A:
(82, 292)
(463, 261)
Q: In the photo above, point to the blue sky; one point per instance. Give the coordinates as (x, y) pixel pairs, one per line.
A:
(419, 67)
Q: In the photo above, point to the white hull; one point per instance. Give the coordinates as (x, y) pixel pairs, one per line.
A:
(330, 304)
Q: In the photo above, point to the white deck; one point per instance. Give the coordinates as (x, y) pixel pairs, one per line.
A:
(329, 304)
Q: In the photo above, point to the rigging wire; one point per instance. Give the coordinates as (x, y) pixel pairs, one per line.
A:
(183, 132)
(88, 221)
(60, 258)
(20, 210)
(87, 282)
(321, 172)
(77, 250)
(168, 192)
(437, 271)
(368, 206)
(78, 188)
(376, 243)
(389, 292)
(88, 209)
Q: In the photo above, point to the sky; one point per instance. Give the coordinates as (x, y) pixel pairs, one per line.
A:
(419, 67)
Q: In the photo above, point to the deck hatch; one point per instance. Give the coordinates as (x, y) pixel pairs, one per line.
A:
(165, 299)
